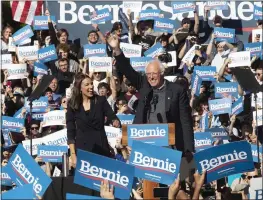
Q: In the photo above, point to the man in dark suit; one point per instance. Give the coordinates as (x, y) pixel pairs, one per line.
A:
(160, 101)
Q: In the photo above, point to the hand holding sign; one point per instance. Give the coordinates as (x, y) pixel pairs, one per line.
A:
(174, 188)
(106, 191)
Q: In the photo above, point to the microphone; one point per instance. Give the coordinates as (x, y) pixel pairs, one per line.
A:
(155, 100)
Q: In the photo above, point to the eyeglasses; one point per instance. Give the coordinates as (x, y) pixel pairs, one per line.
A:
(154, 74)
(186, 23)
(34, 128)
(250, 177)
(96, 73)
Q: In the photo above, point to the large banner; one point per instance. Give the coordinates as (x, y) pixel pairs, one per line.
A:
(75, 15)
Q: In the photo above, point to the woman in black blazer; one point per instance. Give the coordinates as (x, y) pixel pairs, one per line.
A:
(85, 117)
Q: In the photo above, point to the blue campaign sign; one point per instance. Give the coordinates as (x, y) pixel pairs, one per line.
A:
(101, 16)
(258, 12)
(149, 14)
(220, 106)
(206, 73)
(95, 50)
(139, 63)
(158, 164)
(18, 114)
(225, 160)
(23, 169)
(204, 123)
(41, 22)
(7, 139)
(51, 153)
(154, 50)
(217, 5)
(39, 106)
(21, 192)
(70, 196)
(254, 150)
(163, 25)
(226, 89)
(254, 48)
(203, 140)
(237, 107)
(12, 123)
(40, 69)
(225, 34)
(126, 119)
(218, 133)
(156, 134)
(47, 54)
(5, 178)
(91, 170)
(182, 7)
(196, 84)
(22, 34)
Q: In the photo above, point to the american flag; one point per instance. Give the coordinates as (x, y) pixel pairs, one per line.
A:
(24, 11)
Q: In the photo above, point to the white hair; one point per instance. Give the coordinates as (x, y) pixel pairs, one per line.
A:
(161, 66)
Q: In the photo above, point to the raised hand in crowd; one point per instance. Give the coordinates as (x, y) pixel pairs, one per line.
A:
(106, 191)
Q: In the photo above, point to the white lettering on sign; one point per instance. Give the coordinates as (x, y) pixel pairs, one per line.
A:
(205, 73)
(12, 124)
(185, 5)
(223, 159)
(152, 14)
(101, 16)
(141, 133)
(224, 35)
(21, 35)
(40, 22)
(50, 153)
(21, 169)
(204, 142)
(146, 161)
(164, 25)
(94, 51)
(220, 106)
(97, 172)
(46, 54)
(222, 90)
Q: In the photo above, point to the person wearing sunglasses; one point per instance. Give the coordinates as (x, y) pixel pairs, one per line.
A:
(259, 75)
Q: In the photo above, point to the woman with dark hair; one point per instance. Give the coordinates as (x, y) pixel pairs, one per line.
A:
(117, 30)
(6, 33)
(85, 119)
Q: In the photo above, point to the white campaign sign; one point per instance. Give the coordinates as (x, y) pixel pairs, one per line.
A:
(170, 78)
(256, 32)
(174, 62)
(27, 52)
(259, 100)
(11, 45)
(56, 172)
(189, 56)
(134, 6)
(131, 102)
(256, 188)
(239, 59)
(113, 134)
(131, 50)
(53, 118)
(5, 60)
(100, 64)
(35, 143)
(16, 71)
(259, 117)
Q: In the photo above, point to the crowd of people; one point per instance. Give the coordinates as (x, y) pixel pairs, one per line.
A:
(92, 100)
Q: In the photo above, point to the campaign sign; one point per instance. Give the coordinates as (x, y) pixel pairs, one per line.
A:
(22, 34)
(5, 178)
(190, 54)
(163, 25)
(41, 22)
(131, 50)
(16, 71)
(40, 69)
(113, 134)
(94, 50)
(154, 50)
(23, 169)
(255, 189)
(7, 138)
(225, 34)
(226, 89)
(220, 106)
(254, 48)
(203, 140)
(91, 170)
(204, 123)
(258, 12)
(239, 59)
(100, 64)
(39, 105)
(149, 14)
(12, 123)
(19, 192)
(139, 63)
(47, 54)
(27, 52)
(18, 113)
(218, 133)
(58, 138)
(158, 164)
(182, 7)
(156, 134)
(217, 5)
(101, 16)
(70, 196)
(51, 153)
(237, 107)
(255, 33)
(224, 160)
(196, 84)
(6, 59)
(133, 6)
(206, 73)
(54, 118)
(126, 119)
(255, 155)
(258, 116)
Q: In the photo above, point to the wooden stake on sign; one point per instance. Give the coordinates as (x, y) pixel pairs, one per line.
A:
(148, 186)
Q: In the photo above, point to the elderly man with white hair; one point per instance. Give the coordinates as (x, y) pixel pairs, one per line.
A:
(160, 101)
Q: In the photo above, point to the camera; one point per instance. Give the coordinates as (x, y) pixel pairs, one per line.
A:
(166, 57)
